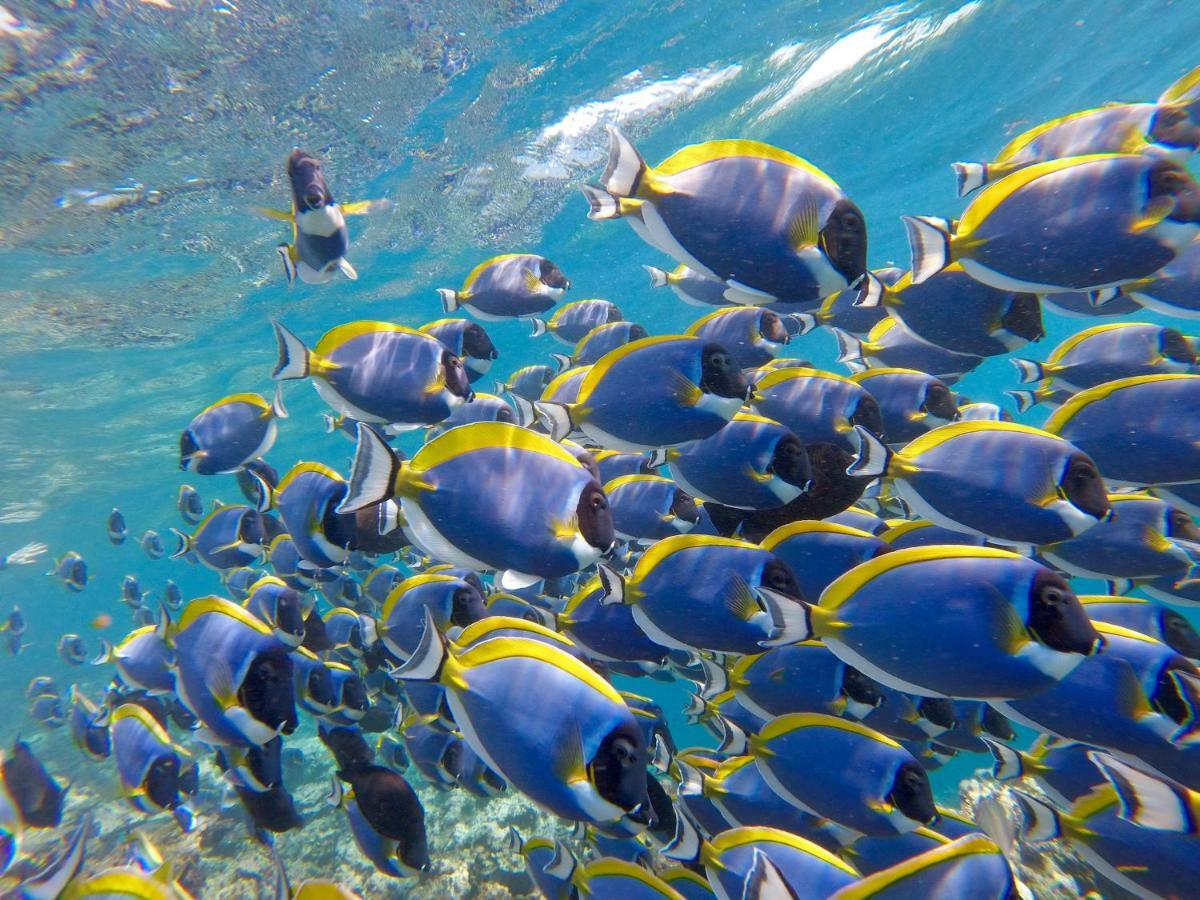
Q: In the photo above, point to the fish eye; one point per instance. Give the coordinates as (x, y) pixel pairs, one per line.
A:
(598, 502)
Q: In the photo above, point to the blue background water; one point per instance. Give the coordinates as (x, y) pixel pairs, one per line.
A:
(478, 123)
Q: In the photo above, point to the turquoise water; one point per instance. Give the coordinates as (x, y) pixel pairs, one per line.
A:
(138, 285)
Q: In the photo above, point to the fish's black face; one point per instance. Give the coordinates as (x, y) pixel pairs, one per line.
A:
(1173, 127)
(1084, 488)
(1056, 617)
(940, 402)
(1179, 635)
(614, 315)
(770, 326)
(189, 779)
(637, 332)
(1170, 180)
(319, 687)
(684, 506)
(1181, 526)
(250, 529)
(505, 414)
(595, 517)
(477, 345)
(912, 795)
(778, 576)
(791, 463)
(1024, 317)
(309, 190)
(996, 724)
(938, 710)
(268, 693)
(618, 770)
(552, 276)
(349, 748)
(1175, 347)
(162, 782)
(289, 614)
(273, 809)
(861, 689)
(720, 375)
(354, 694)
(455, 373)
(868, 415)
(844, 240)
(188, 448)
(466, 606)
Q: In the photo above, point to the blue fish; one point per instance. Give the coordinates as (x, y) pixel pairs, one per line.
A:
(468, 341)
(189, 504)
(647, 508)
(230, 433)
(88, 727)
(692, 287)
(607, 632)
(454, 603)
(1148, 617)
(572, 321)
(509, 286)
(820, 552)
(753, 335)
(154, 771)
(890, 345)
(818, 407)
(144, 659)
(229, 537)
(910, 402)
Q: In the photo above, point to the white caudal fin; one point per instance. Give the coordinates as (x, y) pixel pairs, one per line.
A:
(183, 546)
(426, 662)
(526, 414)
(805, 322)
(539, 327)
(870, 291)
(657, 459)
(625, 165)
(389, 518)
(293, 355)
(1028, 370)
(1103, 296)
(733, 740)
(716, 678)
(372, 474)
(850, 350)
(764, 881)
(929, 242)
(970, 176)
(658, 277)
(346, 269)
(1188, 688)
(1150, 801)
(1024, 400)
(789, 618)
(561, 361)
(613, 584)
(562, 864)
(685, 844)
(873, 455)
(1040, 821)
(996, 824)
(1007, 761)
(556, 417)
(513, 842)
(289, 264)
(277, 407)
(52, 881)
(601, 204)
(449, 299)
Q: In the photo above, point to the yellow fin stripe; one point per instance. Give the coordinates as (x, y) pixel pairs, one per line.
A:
(219, 606)
(488, 263)
(304, 468)
(943, 433)
(740, 837)
(786, 724)
(780, 375)
(610, 359)
(698, 154)
(873, 885)
(809, 526)
(251, 399)
(343, 334)
(499, 648)
(477, 435)
(1061, 416)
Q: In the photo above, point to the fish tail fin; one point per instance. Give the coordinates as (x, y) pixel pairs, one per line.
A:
(346, 269)
(294, 357)
(871, 292)
(996, 824)
(539, 327)
(330, 422)
(562, 865)
(1150, 801)
(183, 546)
(1028, 370)
(556, 417)
(1025, 400)
(790, 620)
(526, 414)
(613, 584)
(1009, 763)
(52, 880)
(278, 409)
(686, 843)
(336, 792)
(764, 881)
(658, 458)
(625, 169)
(264, 494)
(1097, 299)
(1040, 822)
(513, 842)
(287, 254)
(1188, 687)
(449, 299)
(873, 455)
(601, 204)
(850, 350)
(427, 660)
(390, 517)
(658, 277)
(805, 322)
(106, 655)
(716, 678)
(373, 474)
(733, 739)
(970, 176)
(562, 361)
(929, 242)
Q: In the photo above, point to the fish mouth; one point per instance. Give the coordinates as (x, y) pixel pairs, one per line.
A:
(643, 814)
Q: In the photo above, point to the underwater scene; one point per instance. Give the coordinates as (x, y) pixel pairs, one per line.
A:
(577, 449)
